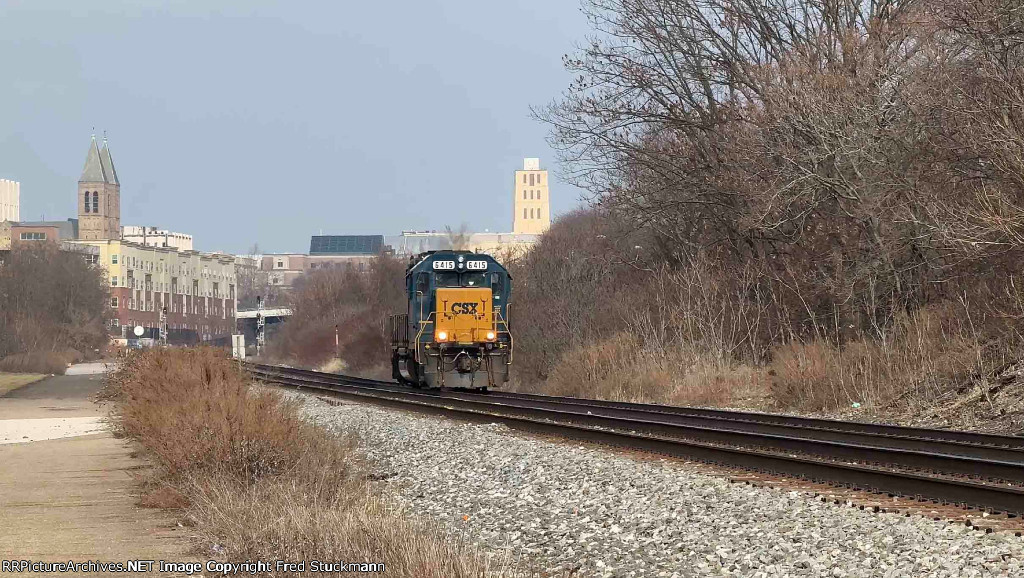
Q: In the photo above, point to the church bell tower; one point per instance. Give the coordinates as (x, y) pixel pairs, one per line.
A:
(99, 196)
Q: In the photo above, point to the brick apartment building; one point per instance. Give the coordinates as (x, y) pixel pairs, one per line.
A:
(195, 291)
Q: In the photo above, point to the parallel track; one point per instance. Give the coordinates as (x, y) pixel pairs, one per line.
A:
(963, 468)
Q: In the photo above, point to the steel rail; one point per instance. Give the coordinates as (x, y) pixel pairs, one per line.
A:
(899, 458)
(994, 448)
(934, 434)
(994, 497)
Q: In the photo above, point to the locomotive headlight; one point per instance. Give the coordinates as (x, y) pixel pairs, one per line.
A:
(490, 336)
(442, 335)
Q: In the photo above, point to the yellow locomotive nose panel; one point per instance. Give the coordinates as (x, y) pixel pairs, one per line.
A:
(464, 315)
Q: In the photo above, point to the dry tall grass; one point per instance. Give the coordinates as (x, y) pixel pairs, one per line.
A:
(922, 359)
(922, 356)
(627, 368)
(256, 479)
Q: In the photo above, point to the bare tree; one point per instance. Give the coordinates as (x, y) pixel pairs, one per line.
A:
(856, 151)
(254, 282)
(457, 240)
(353, 301)
(50, 300)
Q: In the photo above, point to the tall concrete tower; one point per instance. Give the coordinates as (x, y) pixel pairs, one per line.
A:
(10, 200)
(532, 206)
(99, 196)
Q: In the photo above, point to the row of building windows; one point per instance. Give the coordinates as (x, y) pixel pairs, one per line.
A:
(531, 194)
(173, 288)
(162, 267)
(207, 309)
(95, 202)
(33, 236)
(532, 181)
(533, 213)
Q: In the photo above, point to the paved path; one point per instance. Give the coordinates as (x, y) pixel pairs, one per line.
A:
(72, 498)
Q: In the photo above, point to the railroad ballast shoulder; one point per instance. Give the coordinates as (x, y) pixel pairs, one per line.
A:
(455, 332)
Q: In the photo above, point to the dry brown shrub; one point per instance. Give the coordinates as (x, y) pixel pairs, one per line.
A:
(258, 480)
(194, 410)
(55, 362)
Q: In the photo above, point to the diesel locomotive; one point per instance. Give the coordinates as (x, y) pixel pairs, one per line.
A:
(455, 332)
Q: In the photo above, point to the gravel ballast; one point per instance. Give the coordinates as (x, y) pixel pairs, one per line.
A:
(566, 509)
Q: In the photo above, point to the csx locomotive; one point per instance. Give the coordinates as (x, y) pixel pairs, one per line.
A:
(455, 332)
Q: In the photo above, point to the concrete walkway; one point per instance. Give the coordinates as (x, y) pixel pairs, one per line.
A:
(70, 496)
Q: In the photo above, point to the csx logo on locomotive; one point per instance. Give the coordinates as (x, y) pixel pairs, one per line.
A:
(464, 308)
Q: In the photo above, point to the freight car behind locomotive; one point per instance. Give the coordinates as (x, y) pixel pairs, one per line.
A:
(455, 332)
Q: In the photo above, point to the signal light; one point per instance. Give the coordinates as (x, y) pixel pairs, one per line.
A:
(442, 335)
(490, 336)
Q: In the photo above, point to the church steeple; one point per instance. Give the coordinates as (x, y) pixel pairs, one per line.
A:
(93, 171)
(108, 164)
(99, 195)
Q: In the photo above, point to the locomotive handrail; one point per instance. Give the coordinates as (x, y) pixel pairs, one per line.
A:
(511, 339)
(423, 325)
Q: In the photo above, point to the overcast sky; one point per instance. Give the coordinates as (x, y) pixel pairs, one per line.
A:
(271, 121)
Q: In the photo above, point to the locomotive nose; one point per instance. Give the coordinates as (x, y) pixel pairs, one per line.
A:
(464, 315)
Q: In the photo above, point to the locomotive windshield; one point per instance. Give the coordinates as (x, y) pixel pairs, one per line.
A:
(446, 279)
(474, 279)
(460, 279)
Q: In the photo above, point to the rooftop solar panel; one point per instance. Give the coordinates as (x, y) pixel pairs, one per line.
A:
(346, 244)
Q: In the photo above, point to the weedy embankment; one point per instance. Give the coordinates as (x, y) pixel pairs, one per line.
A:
(257, 482)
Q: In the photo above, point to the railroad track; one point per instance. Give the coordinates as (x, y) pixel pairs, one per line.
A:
(967, 469)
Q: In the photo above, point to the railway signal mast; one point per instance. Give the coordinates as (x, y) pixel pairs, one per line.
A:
(163, 326)
(260, 323)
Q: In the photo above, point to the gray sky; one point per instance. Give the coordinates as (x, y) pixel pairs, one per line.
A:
(271, 121)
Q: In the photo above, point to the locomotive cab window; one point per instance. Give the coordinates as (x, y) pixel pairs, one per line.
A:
(422, 283)
(446, 279)
(474, 279)
(450, 279)
(497, 285)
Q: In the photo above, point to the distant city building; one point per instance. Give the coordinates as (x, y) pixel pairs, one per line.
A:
(194, 292)
(34, 231)
(532, 206)
(10, 200)
(325, 252)
(153, 237)
(415, 242)
(99, 196)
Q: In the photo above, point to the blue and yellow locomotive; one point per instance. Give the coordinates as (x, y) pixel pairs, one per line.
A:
(456, 330)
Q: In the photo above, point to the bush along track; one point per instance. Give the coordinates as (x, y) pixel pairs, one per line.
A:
(257, 482)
